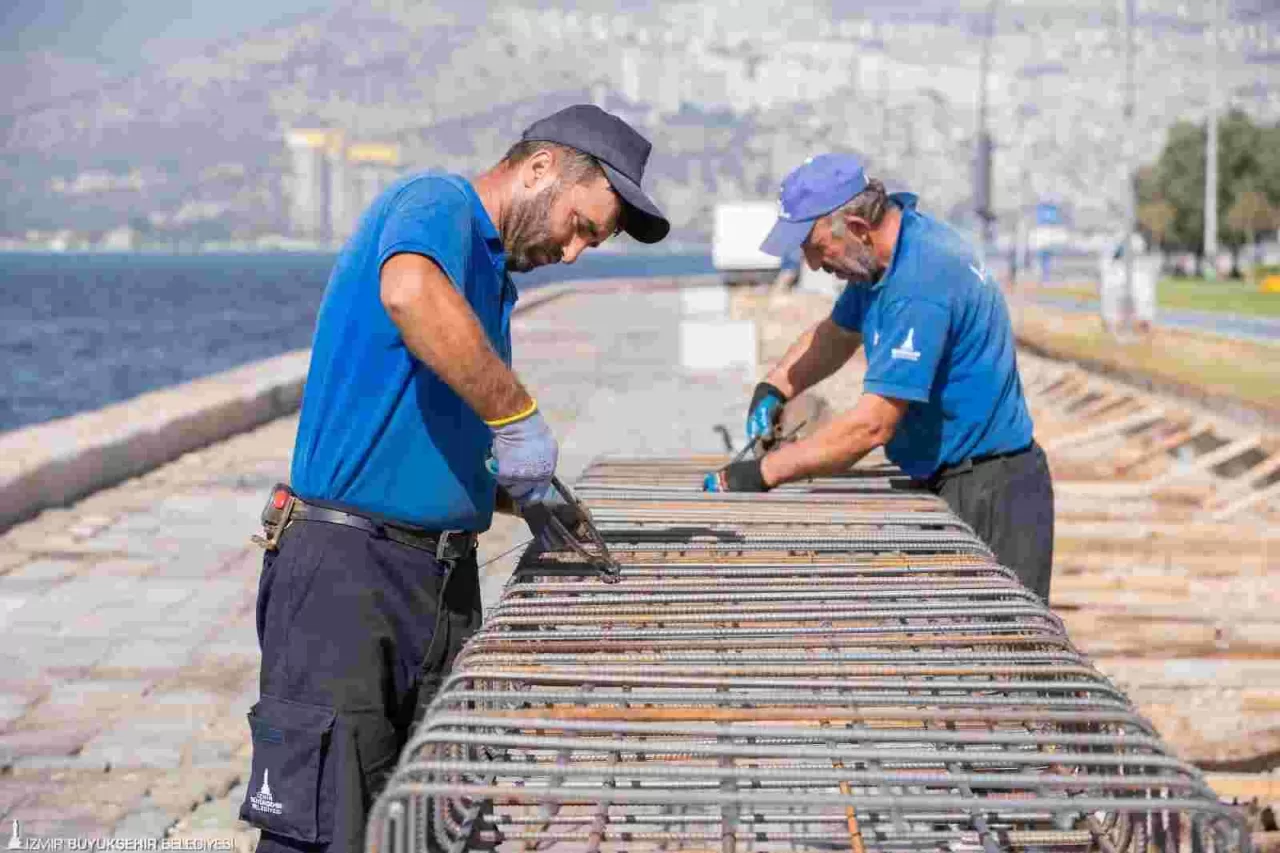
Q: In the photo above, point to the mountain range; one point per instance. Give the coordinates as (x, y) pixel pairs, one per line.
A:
(732, 93)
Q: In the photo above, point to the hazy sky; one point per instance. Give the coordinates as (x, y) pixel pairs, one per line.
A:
(122, 33)
(125, 34)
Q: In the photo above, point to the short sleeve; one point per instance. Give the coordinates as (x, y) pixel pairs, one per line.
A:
(912, 338)
(851, 307)
(430, 218)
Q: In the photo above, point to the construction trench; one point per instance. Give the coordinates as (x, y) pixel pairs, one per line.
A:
(841, 665)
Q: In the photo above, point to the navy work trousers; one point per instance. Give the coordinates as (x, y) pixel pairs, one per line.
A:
(1008, 501)
(356, 632)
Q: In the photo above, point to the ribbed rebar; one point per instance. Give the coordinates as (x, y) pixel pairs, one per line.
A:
(837, 665)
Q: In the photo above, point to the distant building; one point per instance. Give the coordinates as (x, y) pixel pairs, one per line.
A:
(333, 181)
(122, 239)
(309, 191)
(373, 166)
(341, 214)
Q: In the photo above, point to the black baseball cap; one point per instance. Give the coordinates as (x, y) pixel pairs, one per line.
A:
(622, 153)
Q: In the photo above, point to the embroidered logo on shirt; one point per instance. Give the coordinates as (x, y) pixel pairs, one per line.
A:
(875, 339)
(906, 351)
(263, 801)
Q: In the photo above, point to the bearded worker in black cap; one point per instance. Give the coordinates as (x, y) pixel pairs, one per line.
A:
(412, 423)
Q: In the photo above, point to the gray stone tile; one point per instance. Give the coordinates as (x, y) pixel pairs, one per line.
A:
(42, 613)
(124, 567)
(221, 814)
(200, 703)
(52, 649)
(17, 663)
(9, 604)
(136, 524)
(161, 593)
(206, 753)
(162, 629)
(117, 624)
(89, 524)
(56, 763)
(12, 708)
(91, 591)
(243, 647)
(97, 693)
(148, 821)
(150, 654)
(138, 746)
(13, 794)
(245, 699)
(195, 561)
(43, 570)
(63, 740)
(53, 822)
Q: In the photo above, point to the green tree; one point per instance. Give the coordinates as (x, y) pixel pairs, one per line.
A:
(1178, 179)
(1251, 213)
(1248, 159)
(1239, 170)
(1269, 164)
(1156, 218)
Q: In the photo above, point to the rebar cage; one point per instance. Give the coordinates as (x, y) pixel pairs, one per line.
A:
(838, 665)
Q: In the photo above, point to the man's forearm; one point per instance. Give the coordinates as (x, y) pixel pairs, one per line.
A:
(441, 330)
(819, 352)
(837, 446)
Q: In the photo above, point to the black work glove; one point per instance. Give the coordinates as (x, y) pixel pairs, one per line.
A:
(538, 515)
(742, 476)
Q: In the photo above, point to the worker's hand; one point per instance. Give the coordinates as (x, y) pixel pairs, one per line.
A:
(742, 476)
(764, 413)
(523, 458)
(538, 515)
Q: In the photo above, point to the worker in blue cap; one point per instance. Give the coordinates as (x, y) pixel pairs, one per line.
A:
(413, 426)
(942, 392)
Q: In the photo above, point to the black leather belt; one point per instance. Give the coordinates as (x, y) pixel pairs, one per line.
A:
(284, 507)
(446, 545)
(946, 472)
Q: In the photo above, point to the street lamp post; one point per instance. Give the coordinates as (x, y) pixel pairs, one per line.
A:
(982, 164)
(1211, 149)
(1130, 206)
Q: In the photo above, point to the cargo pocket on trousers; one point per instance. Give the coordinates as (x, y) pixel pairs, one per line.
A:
(290, 750)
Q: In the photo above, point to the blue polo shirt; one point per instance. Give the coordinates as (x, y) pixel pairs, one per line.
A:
(937, 334)
(379, 431)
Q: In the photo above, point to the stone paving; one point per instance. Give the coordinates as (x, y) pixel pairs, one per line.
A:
(128, 653)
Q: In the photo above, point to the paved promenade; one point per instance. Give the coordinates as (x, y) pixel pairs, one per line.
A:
(128, 653)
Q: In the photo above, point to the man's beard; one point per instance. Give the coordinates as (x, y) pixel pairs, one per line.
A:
(859, 265)
(527, 235)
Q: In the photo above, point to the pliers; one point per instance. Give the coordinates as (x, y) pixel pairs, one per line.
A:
(597, 555)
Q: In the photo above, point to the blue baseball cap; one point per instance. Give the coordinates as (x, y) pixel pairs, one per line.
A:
(809, 192)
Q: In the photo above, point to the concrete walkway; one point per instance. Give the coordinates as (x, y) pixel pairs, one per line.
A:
(128, 653)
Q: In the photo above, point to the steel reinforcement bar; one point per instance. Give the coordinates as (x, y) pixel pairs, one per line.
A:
(834, 666)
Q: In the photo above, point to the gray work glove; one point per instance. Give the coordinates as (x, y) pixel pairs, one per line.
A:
(523, 459)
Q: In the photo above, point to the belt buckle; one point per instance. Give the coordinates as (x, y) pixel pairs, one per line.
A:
(444, 540)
